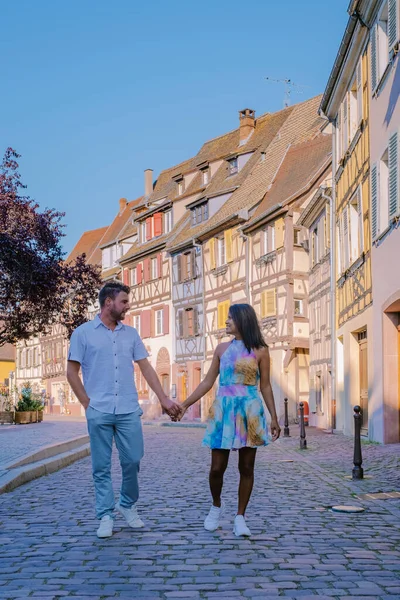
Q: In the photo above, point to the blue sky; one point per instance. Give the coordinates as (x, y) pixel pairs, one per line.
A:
(95, 92)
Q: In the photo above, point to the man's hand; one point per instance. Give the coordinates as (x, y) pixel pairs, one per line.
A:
(85, 403)
(171, 408)
(275, 430)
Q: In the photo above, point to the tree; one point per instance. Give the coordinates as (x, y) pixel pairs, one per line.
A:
(37, 288)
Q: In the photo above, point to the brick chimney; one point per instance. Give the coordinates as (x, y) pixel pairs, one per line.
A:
(122, 203)
(247, 123)
(148, 182)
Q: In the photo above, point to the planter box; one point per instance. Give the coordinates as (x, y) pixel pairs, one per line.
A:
(6, 417)
(39, 416)
(26, 416)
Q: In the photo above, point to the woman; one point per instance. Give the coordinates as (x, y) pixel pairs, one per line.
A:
(236, 418)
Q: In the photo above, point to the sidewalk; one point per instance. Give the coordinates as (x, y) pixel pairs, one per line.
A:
(29, 451)
(299, 547)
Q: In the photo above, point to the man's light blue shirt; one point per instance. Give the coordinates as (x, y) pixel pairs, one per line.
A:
(106, 358)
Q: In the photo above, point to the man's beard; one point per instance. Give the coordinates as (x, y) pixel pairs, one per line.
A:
(118, 315)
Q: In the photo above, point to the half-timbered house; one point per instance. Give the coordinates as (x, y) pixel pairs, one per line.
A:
(279, 266)
(346, 104)
(316, 219)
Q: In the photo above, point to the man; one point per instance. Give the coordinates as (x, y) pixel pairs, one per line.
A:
(105, 350)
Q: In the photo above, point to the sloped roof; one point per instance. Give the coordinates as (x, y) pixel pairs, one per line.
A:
(301, 166)
(119, 223)
(7, 352)
(88, 243)
(289, 126)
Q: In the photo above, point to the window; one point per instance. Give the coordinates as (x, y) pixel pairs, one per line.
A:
(355, 102)
(355, 226)
(28, 359)
(136, 323)
(168, 221)
(154, 269)
(199, 213)
(143, 232)
(133, 276)
(159, 322)
(268, 242)
(189, 322)
(181, 186)
(222, 313)
(268, 303)
(221, 261)
(383, 38)
(298, 308)
(186, 264)
(106, 258)
(385, 188)
(206, 176)
(296, 237)
(233, 166)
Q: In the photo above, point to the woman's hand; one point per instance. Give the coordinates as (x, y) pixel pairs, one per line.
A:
(275, 430)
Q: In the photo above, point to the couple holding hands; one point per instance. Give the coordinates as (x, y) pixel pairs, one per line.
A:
(104, 349)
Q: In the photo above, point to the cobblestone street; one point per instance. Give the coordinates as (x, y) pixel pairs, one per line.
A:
(299, 547)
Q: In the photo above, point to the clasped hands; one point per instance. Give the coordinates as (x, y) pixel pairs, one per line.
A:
(174, 411)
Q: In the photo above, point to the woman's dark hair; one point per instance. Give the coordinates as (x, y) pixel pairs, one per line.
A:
(111, 290)
(245, 318)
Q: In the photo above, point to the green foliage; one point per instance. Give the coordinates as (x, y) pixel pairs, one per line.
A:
(28, 400)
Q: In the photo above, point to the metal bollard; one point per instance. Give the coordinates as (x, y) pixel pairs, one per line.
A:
(303, 441)
(358, 472)
(286, 432)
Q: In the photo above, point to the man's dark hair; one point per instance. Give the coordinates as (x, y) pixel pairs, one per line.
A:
(111, 290)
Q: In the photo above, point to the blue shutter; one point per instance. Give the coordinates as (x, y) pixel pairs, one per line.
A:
(393, 175)
(374, 201)
(392, 23)
(374, 57)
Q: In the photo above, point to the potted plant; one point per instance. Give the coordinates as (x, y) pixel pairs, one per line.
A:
(29, 408)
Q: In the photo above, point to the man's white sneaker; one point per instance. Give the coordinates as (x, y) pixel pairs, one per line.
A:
(131, 516)
(211, 522)
(105, 529)
(240, 528)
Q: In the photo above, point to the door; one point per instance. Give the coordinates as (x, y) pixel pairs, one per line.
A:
(363, 360)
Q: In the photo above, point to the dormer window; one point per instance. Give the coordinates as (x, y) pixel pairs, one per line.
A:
(181, 186)
(206, 176)
(143, 232)
(168, 221)
(199, 213)
(233, 166)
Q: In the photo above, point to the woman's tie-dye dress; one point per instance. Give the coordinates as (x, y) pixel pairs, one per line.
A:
(237, 418)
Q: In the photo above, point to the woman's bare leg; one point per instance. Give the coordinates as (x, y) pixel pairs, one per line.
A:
(247, 457)
(219, 462)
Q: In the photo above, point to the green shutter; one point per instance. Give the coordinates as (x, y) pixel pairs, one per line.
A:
(393, 175)
(374, 201)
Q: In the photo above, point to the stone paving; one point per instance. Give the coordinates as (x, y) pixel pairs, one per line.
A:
(18, 440)
(299, 547)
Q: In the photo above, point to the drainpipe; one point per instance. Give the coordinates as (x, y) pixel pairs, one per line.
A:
(332, 203)
(247, 268)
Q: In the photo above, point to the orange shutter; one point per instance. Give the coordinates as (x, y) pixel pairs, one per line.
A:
(158, 224)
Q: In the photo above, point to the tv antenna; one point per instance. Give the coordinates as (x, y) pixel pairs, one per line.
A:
(289, 88)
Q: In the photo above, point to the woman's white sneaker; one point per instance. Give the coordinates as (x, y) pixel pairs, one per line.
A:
(105, 529)
(131, 516)
(240, 528)
(211, 522)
